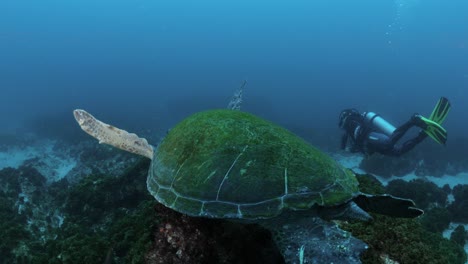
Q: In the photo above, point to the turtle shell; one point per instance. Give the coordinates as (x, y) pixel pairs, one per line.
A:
(232, 164)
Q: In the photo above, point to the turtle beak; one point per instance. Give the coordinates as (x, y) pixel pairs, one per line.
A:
(80, 116)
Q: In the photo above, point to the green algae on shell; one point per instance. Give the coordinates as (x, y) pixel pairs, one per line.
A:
(232, 164)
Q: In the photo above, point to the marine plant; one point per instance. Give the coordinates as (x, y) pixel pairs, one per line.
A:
(459, 235)
(459, 207)
(402, 240)
(436, 219)
(424, 193)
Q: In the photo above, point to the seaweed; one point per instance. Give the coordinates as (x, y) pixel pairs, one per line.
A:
(424, 193)
(459, 235)
(436, 220)
(459, 208)
(405, 240)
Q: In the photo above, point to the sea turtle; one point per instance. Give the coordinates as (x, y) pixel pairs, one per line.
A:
(230, 164)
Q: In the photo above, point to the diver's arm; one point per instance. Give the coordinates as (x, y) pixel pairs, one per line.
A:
(354, 149)
(344, 140)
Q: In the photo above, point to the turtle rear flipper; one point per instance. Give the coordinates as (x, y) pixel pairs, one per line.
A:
(388, 205)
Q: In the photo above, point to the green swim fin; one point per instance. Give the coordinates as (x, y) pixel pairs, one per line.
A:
(440, 111)
(435, 131)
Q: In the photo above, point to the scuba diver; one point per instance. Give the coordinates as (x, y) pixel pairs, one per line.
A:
(369, 133)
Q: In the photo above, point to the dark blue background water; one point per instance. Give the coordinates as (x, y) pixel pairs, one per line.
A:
(147, 64)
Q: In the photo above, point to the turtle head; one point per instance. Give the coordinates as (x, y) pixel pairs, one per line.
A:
(113, 136)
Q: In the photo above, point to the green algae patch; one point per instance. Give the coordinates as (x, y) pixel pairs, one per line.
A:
(402, 240)
(239, 160)
(100, 217)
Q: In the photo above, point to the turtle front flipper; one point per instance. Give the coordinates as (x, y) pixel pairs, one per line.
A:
(111, 135)
(346, 211)
(388, 205)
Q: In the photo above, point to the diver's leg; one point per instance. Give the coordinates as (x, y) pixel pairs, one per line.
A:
(415, 120)
(377, 142)
(400, 131)
(408, 145)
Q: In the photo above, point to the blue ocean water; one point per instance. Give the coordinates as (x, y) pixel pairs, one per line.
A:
(144, 65)
(147, 64)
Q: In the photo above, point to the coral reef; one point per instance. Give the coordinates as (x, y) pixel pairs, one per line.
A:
(388, 166)
(182, 239)
(402, 240)
(111, 218)
(424, 193)
(459, 235)
(438, 161)
(370, 184)
(436, 219)
(78, 224)
(459, 208)
(425, 160)
(12, 226)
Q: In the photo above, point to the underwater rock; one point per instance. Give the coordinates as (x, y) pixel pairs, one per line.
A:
(99, 159)
(401, 240)
(459, 235)
(368, 183)
(446, 188)
(179, 238)
(424, 193)
(110, 214)
(428, 167)
(387, 166)
(459, 207)
(37, 226)
(318, 241)
(436, 219)
(404, 241)
(26, 214)
(436, 161)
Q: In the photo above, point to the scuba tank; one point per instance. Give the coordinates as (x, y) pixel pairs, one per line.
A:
(379, 123)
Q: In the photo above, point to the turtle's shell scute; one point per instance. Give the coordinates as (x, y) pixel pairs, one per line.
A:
(232, 164)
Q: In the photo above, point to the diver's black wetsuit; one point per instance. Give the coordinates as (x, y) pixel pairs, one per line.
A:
(365, 138)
